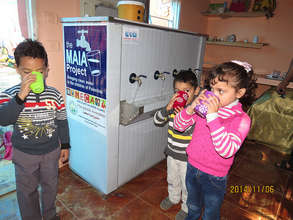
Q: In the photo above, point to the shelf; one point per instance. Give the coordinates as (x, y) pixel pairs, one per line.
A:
(235, 14)
(238, 44)
(262, 79)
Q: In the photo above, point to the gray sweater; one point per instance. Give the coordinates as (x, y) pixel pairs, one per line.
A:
(177, 141)
(40, 123)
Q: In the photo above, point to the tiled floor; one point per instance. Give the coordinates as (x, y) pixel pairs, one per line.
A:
(271, 196)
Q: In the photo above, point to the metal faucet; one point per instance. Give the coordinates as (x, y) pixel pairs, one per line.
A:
(133, 77)
(161, 75)
(138, 80)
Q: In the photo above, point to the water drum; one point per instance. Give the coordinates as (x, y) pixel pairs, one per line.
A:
(131, 10)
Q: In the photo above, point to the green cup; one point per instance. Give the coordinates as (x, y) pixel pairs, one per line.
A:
(38, 85)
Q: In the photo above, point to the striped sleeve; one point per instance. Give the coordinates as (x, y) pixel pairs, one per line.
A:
(62, 123)
(4, 98)
(159, 119)
(228, 141)
(61, 110)
(9, 109)
(183, 120)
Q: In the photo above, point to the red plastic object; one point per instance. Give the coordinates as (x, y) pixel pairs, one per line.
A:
(181, 99)
(237, 7)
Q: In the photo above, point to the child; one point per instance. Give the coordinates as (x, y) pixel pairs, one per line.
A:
(177, 143)
(40, 127)
(217, 137)
(281, 88)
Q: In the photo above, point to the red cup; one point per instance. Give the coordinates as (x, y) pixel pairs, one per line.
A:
(181, 99)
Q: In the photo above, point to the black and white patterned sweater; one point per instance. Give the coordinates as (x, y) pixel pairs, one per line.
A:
(40, 122)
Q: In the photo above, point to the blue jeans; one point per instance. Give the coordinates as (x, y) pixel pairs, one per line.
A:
(204, 191)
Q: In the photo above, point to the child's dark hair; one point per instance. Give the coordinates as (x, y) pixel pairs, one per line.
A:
(30, 48)
(239, 75)
(186, 76)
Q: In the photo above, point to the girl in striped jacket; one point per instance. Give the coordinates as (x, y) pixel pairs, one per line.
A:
(216, 138)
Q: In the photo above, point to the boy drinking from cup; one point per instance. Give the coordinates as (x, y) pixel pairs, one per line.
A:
(40, 137)
(186, 88)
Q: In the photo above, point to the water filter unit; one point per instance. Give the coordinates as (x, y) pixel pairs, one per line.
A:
(118, 73)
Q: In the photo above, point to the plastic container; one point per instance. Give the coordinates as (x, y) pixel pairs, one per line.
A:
(37, 86)
(201, 109)
(181, 99)
(131, 10)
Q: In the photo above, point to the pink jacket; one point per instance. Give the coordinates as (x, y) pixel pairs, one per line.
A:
(215, 140)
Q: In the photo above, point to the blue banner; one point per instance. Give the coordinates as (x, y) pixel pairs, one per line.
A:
(85, 59)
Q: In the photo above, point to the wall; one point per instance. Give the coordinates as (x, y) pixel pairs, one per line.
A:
(50, 29)
(95, 7)
(190, 17)
(50, 34)
(87, 7)
(276, 31)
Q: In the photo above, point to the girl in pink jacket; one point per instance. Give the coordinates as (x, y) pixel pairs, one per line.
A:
(216, 137)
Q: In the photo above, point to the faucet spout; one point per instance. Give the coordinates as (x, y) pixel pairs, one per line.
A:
(138, 79)
(133, 78)
(160, 75)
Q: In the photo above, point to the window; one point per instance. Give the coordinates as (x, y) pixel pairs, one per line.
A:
(10, 32)
(17, 23)
(165, 13)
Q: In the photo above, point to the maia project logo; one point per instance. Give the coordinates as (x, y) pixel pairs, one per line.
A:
(73, 107)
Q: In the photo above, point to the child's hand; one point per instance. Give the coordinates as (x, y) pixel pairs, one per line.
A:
(171, 102)
(64, 156)
(213, 104)
(178, 109)
(190, 108)
(27, 80)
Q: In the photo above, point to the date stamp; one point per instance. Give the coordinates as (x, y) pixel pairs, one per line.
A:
(252, 189)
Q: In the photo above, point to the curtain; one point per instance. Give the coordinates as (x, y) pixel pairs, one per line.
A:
(22, 18)
(175, 7)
